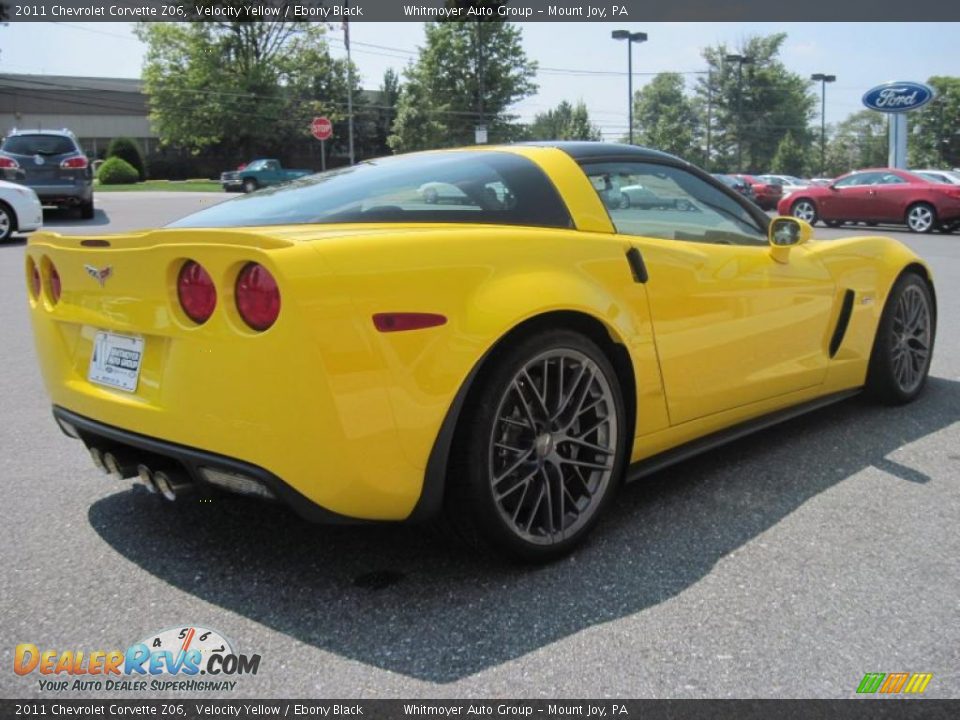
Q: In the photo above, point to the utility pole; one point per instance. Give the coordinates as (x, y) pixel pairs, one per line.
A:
(823, 79)
(346, 41)
(636, 37)
(741, 60)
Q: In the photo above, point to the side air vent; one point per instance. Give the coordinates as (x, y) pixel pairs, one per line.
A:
(842, 321)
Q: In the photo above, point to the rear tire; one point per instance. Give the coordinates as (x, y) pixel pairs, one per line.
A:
(540, 448)
(806, 210)
(921, 218)
(8, 222)
(903, 346)
(86, 211)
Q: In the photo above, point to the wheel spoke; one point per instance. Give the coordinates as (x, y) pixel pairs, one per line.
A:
(589, 446)
(519, 461)
(522, 482)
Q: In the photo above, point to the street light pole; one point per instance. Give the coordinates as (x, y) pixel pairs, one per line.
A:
(740, 60)
(823, 79)
(637, 37)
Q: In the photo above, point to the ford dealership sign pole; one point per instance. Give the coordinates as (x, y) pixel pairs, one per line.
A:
(897, 99)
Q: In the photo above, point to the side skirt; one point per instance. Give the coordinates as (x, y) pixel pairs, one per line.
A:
(658, 462)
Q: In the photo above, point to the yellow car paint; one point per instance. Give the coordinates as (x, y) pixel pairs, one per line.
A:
(348, 416)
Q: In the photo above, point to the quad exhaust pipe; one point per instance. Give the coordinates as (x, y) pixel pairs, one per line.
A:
(120, 463)
(170, 484)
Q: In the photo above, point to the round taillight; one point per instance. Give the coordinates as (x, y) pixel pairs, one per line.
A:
(54, 284)
(34, 277)
(258, 297)
(196, 292)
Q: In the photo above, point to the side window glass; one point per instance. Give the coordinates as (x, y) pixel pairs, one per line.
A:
(854, 180)
(662, 201)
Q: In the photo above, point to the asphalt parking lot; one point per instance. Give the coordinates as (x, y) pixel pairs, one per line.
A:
(788, 564)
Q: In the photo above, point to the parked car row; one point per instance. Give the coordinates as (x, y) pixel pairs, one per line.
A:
(881, 195)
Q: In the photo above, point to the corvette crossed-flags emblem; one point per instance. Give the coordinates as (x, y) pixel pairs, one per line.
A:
(99, 275)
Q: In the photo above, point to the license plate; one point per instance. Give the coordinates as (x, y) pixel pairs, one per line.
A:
(116, 361)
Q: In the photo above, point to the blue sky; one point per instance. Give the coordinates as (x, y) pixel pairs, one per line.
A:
(861, 55)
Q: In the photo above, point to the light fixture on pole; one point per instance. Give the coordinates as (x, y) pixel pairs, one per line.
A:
(823, 80)
(630, 37)
(740, 60)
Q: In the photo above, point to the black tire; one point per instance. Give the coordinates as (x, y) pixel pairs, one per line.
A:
(921, 218)
(87, 211)
(805, 209)
(8, 222)
(886, 374)
(498, 417)
(250, 185)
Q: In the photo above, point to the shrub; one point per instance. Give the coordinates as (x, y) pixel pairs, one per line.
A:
(117, 171)
(127, 149)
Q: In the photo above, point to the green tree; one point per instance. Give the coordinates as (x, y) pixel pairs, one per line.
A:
(564, 122)
(128, 150)
(664, 117)
(244, 88)
(790, 158)
(860, 141)
(774, 102)
(935, 130)
(467, 73)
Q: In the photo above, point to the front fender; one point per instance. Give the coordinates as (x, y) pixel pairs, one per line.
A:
(869, 266)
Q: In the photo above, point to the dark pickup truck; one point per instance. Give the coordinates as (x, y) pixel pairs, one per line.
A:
(259, 173)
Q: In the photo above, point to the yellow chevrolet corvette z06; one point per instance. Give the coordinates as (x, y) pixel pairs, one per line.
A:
(503, 359)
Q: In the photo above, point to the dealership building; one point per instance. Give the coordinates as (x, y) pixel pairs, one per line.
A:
(95, 109)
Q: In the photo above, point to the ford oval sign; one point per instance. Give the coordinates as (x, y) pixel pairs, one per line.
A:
(896, 97)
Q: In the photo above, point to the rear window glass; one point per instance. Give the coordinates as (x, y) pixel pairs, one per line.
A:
(448, 187)
(38, 145)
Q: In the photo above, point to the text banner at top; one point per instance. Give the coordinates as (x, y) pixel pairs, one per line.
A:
(512, 10)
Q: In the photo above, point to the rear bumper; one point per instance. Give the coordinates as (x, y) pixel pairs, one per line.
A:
(155, 452)
(64, 194)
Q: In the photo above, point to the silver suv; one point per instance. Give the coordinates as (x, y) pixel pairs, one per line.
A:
(52, 163)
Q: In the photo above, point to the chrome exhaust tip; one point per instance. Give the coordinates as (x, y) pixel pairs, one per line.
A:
(119, 465)
(96, 454)
(146, 479)
(171, 485)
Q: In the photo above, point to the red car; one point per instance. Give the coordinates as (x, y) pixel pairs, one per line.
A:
(766, 195)
(879, 195)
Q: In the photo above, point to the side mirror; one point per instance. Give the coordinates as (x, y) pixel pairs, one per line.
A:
(785, 233)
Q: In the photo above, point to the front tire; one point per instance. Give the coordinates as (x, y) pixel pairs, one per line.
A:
(250, 185)
(921, 218)
(903, 346)
(540, 448)
(805, 210)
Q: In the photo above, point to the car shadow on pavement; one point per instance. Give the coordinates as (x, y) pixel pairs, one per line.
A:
(402, 599)
(54, 218)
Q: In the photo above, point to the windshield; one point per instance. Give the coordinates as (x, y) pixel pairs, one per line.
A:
(446, 187)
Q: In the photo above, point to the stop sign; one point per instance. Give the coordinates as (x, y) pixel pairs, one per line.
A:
(321, 128)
